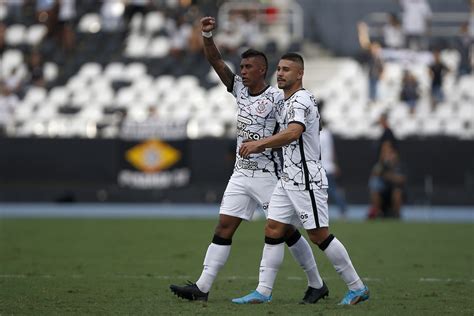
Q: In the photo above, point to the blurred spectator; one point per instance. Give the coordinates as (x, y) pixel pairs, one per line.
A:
(464, 46)
(375, 67)
(35, 70)
(248, 26)
(152, 115)
(386, 184)
(328, 159)
(15, 11)
(416, 16)
(387, 134)
(8, 104)
(47, 14)
(437, 70)
(471, 20)
(67, 16)
(135, 6)
(372, 58)
(229, 39)
(393, 33)
(195, 39)
(409, 93)
(3, 29)
(180, 37)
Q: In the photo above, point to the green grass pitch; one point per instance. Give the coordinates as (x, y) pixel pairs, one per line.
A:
(58, 266)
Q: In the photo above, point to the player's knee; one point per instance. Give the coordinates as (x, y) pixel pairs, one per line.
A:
(275, 230)
(224, 230)
(318, 236)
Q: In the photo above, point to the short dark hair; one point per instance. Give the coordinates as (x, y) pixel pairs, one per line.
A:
(255, 53)
(294, 57)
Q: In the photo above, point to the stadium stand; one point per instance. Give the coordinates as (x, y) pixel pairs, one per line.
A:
(128, 69)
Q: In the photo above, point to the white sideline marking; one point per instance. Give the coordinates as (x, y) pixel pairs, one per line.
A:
(186, 277)
(443, 280)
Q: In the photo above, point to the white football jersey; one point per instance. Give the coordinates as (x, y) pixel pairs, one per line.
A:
(302, 169)
(256, 120)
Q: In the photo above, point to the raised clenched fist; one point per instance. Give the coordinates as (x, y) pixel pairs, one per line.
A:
(208, 24)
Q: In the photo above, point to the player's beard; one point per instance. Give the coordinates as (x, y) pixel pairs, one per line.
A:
(283, 84)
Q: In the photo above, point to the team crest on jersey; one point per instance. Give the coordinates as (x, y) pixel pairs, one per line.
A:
(261, 107)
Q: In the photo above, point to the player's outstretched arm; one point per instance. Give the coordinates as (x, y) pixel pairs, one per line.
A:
(285, 137)
(208, 24)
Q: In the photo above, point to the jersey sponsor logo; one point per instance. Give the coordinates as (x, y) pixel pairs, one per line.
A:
(242, 124)
(246, 134)
(247, 164)
(265, 206)
(243, 120)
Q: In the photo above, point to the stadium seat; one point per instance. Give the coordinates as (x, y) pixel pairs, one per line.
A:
(90, 23)
(36, 34)
(136, 46)
(136, 22)
(35, 95)
(15, 35)
(408, 127)
(137, 113)
(81, 98)
(46, 111)
(163, 84)
(59, 95)
(134, 70)
(159, 47)
(432, 126)
(154, 22)
(24, 111)
(455, 128)
(90, 70)
(91, 112)
(50, 71)
(114, 71)
(11, 59)
(125, 97)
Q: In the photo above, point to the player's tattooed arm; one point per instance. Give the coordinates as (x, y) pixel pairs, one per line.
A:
(208, 24)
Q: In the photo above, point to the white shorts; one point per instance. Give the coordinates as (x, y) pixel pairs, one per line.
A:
(243, 194)
(309, 207)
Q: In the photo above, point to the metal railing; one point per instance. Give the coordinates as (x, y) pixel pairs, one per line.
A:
(441, 24)
(287, 18)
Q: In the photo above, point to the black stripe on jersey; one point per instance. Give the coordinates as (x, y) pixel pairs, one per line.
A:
(275, 152)
(305, 166)
(299, 123)
(315, 208)
(230, 87)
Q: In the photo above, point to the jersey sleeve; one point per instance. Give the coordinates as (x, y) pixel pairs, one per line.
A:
(298, 111)
(236, 87)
